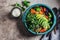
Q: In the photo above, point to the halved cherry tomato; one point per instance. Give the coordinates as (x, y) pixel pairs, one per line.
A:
(44, 9)
(41, 7)
(42, 30)
(46, 17)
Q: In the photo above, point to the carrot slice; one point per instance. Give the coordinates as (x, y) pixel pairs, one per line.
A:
(33, 11)
(41, 12)
(37, 12)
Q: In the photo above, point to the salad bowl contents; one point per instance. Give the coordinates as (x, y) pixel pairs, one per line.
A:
(39, 19)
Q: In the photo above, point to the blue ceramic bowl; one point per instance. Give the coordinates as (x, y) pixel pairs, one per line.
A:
(25, 14)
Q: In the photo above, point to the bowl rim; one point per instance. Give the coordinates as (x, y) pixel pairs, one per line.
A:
(24, 21)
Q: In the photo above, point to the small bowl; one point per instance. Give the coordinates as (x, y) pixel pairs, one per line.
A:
(17, 13)
(26, 12)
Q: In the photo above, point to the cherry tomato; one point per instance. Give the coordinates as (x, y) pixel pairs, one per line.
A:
(42, 30)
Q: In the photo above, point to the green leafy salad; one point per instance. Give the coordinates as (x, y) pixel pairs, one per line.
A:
(39, 19)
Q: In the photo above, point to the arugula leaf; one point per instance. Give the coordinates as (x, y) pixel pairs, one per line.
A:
(50, 16)
(25, 3)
